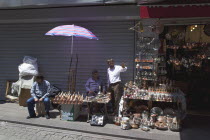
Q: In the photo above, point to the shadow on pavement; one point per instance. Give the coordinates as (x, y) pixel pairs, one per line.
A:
(196, 127)
(2, 102)
(54, 115)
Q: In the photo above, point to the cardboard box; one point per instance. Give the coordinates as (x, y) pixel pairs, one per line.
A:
(70, 112)
(24, 96)
(40, 109)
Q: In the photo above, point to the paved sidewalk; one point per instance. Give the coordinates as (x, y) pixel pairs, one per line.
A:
(15, 114)
(11, 131)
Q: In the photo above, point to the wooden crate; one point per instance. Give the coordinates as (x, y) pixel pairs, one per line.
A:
(25, 94)
(40, 109)
(9, 96)
(70, 112)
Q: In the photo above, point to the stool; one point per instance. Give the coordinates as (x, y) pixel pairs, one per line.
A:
(40, 109)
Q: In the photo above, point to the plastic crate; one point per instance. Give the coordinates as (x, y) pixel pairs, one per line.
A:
(70, 112)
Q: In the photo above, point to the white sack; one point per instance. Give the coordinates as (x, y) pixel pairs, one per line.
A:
(29, 66)
(28, 69)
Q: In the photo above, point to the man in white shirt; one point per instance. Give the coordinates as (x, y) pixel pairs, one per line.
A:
(114, 83)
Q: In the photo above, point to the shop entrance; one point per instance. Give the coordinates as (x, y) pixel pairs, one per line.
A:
(187, 56)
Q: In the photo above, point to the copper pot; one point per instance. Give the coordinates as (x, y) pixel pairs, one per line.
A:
(162, 119)
(135, 126)
(117, 123)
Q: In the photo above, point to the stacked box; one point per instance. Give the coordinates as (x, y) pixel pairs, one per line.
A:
(25, 94)
(70, 112)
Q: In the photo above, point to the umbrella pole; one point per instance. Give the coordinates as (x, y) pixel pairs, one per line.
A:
(71, 59)
(76, 70)
(69, 74)
(72, 44)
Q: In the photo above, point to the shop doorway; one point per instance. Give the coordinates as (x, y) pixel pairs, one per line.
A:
(186, 50)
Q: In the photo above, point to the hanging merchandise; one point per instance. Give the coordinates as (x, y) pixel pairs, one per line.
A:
(198, 34)
(187, 54)
(158, 27)
(176, 36)
(138, 27)
(146, 58)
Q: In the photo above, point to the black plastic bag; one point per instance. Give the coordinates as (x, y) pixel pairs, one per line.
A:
(54, 91)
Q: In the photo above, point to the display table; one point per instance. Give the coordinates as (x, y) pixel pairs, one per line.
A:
(71, 103)
(159, 96)
(99, 99)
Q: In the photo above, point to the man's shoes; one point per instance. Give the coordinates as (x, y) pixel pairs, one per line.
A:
(47, 115)
(29, 117)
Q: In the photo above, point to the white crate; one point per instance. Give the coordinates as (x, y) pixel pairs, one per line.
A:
(70, 112)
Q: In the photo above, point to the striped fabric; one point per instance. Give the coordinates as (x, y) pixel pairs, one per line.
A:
(173, 2)
(71, 30)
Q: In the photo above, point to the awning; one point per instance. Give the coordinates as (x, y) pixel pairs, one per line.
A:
(176, 9)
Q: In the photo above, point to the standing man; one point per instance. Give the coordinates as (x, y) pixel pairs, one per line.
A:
(114, 83)
(39, 92)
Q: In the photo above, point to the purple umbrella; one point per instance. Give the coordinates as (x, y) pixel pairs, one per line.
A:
(71, 30)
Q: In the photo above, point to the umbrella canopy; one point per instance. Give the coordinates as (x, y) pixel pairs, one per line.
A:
(71, 30)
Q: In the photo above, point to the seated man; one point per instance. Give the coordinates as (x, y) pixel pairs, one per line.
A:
(93, 86)
(39, 92)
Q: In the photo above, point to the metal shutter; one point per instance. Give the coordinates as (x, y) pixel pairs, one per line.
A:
(17, 40)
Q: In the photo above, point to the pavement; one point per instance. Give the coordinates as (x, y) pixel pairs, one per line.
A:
(11, 131)
(13, 117)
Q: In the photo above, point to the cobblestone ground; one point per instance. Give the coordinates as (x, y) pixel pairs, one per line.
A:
(11, 131)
